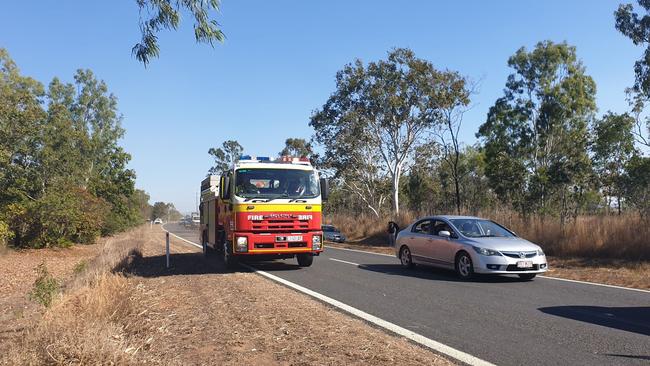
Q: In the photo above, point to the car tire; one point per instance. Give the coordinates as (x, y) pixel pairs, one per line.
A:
(305, 260)
(464, 266)
(527, 276)
(229, 260)
(405, 257)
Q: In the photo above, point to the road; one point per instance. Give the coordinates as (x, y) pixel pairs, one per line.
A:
(500, 320)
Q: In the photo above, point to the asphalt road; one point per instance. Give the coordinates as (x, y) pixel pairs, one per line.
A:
(498, 319)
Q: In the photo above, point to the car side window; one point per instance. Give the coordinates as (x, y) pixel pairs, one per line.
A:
(439, 226)
(422, 227)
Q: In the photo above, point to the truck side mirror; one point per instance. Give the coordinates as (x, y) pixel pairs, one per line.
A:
(324, 189)
(226, 188)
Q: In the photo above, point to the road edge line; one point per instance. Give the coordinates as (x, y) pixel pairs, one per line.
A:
(359, 251)
(178, 237)
(595, 284)
(394, 328)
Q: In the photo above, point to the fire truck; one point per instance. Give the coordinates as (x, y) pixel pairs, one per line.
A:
(263, 209)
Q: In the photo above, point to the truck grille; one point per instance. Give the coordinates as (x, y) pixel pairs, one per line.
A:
(272, 225)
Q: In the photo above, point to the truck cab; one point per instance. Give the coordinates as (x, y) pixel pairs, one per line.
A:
(264, 209)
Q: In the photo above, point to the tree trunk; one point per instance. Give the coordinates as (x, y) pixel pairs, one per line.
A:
(456, 184)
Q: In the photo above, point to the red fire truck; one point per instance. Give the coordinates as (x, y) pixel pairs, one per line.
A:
(263, 209)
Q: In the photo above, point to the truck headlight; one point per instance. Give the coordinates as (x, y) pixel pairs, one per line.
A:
(485, 251)
(241, 244)
(315, 242)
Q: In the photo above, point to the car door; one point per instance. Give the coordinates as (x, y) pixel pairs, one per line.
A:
(443, 249)
(418, 240)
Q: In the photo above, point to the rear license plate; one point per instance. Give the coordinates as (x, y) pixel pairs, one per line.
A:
(525, 264)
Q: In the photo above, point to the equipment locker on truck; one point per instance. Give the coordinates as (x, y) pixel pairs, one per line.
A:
(263, 209)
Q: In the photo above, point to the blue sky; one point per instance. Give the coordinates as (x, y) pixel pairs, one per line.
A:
(278, 65)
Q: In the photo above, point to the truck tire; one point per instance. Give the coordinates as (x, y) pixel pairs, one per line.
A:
(305, 260)
(229, 260)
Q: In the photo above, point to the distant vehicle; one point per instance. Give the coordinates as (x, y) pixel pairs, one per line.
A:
(158, 221)
(195, 219)
(469, 245)
(331, 233)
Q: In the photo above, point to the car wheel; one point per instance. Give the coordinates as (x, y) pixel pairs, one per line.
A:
(464, 266)
(527, 276)
(405, 257)
(226, 254)
(305, 260)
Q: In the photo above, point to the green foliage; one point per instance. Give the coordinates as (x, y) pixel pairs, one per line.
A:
(297, 147)
(536, 135)
(156, 15)
(80, 267)
(45, 287)
(637, 184)
(225, 156)
(63, 177)
(378, 115)
(165, 211)
(636, 26)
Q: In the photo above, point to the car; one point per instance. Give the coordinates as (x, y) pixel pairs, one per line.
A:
(331, 233)
(469, 245)
(158, 221)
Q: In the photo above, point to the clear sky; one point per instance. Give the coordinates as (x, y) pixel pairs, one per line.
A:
(279, 61)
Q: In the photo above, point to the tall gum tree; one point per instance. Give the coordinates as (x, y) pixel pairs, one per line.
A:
(379, 114)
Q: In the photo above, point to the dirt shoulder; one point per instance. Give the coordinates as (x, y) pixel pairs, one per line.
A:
(194, 313)
(611, 272)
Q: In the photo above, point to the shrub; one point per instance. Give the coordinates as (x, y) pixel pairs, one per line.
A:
(45, 286)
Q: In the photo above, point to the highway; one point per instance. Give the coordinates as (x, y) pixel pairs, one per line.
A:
(497, 319)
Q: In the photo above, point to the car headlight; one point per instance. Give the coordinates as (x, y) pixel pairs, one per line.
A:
(485, 251)
(315, 242)
(242, 244)
(540, 253)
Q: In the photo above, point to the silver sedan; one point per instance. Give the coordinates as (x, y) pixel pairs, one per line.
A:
(468, 245)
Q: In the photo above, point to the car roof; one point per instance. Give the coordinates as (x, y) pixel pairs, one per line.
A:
(451, 217)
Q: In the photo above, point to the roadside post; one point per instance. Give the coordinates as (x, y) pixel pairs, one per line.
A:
(167, 247)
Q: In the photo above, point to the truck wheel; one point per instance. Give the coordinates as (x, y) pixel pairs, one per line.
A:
(305, 260)
(229, 260)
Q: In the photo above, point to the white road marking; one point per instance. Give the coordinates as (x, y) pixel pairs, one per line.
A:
(346, 262)
(545, 277)
(415, 337)
(185, 240)
(360, 251)
(594, 283)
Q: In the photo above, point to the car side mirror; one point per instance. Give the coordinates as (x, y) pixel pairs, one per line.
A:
(444, 233)
(324, 189)
(226, 188)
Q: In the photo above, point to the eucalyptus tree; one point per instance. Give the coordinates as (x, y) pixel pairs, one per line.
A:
(535, 136)
(613, 147)
(379, 114)
(225, 156)
(157, 15)
(297, 147)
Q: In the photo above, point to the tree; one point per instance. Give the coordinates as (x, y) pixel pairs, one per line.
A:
(378, 115)
(535, 136)
(637, 184)
(225, 156)
(637, 28)
(297, 147)
(453, 104)
(156, 15)
(613, 146)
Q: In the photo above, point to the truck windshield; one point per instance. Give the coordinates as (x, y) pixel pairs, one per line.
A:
(276, 183)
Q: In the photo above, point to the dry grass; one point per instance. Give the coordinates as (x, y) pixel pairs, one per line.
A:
(621, 237)
(95, 321)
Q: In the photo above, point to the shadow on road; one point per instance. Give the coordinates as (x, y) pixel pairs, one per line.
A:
(431, 273)
(630, 319)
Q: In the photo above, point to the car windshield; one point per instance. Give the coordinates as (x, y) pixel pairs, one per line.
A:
(276, 183)
(478, 228)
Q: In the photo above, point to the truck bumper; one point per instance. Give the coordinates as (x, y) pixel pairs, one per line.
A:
(287, 244)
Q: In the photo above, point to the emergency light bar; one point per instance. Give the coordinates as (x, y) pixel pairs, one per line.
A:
(283, 159)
